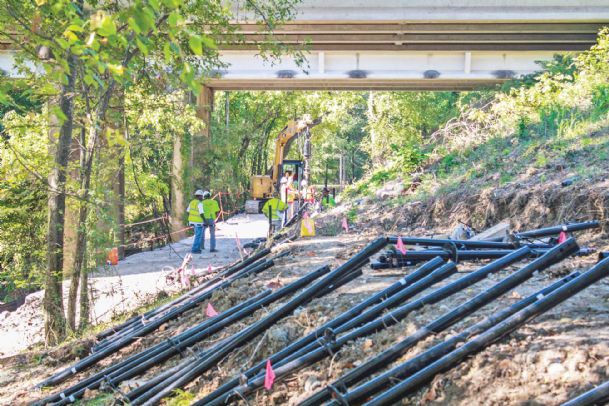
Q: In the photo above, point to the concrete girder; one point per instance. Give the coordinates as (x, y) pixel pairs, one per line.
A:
(377, 70)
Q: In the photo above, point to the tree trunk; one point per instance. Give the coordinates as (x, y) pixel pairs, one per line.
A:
(84, 294)
(81, 234)
(121, 204)
(54, 325)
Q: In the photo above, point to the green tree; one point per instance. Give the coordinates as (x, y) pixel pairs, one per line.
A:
(86, 53)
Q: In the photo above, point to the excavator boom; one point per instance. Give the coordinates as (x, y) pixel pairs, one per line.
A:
(263, 186)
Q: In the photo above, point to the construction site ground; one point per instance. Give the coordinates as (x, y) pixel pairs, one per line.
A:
(138, 280)
(554, 357)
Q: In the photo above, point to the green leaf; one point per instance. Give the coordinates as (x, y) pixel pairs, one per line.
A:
(116, 70)
(167, 52)
(195, 44)
(134, 25)
(107, 27)
(56, 111)
(75, 28)
(172, 3)
(62, 43)
(89, 80)
(209, 42)
(141, 46)
(174, 19)
(154, 4)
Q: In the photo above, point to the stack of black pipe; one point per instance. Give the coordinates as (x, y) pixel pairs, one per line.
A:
(112, 333)
(373, 320)
(139, 327)
(159, 387)
(140, 362)
(467, 250)
(421, 370)
(380, 361)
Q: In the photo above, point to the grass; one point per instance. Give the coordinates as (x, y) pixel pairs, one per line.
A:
(579, 142)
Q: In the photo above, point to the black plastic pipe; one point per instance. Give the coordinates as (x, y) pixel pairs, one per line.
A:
(136, 364)
(164, 388)
(291, 364)
(593, 275)
(225, 272)
(555, 230)
(354, 311)
(286, 290)
(423, 359)
(392, 301)
(147, 328)
(70, 394)
(463, 244)
(596, 396)
(138, 321)
(553, 256)
(212, 356)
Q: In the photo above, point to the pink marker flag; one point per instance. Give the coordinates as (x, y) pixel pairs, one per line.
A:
(400, 246)
(269, 376)
(210, 312)
(209, 270)
(345, 224)
(562, 237)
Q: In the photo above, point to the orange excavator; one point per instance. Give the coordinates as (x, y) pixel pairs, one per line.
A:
(262, 187)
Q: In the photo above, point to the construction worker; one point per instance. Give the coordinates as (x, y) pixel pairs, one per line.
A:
(211, 210)
(327, 201)
(274, 209)
(196, 214)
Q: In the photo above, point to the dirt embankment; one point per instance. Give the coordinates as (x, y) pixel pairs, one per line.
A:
(537, 199)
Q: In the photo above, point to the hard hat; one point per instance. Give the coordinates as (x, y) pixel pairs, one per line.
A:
(199, 193)
(206, 194)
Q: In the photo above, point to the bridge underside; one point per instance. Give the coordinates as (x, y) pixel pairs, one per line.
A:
(400, 55)
(377, 70)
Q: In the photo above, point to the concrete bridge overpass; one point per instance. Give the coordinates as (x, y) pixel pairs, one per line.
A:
(408, 44)
(414, 44)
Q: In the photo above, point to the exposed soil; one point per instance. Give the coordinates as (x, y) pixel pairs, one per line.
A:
(553, 358)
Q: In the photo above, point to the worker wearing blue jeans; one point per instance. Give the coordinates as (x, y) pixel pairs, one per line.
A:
(195, 219)
(210, 212)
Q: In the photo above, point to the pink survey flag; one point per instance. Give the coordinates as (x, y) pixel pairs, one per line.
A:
(269, 376)
(345, 224)
(400, 246)
(562, 237)
(209, 270)
(210, 312)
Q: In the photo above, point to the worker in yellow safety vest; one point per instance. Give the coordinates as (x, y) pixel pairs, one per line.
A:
(211, 210)
(327, 201)
(273, 209)
(196, 215)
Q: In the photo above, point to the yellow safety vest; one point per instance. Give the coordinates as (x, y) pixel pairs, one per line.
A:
(193, 212)
(328, 201)
(210, 208)
(274, 205)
